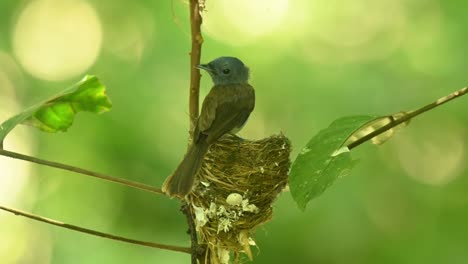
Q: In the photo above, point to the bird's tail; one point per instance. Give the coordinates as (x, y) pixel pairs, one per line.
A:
(181, 181)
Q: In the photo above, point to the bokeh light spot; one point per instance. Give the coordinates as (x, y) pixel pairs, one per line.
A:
(434, 157)
(129, 36)
(57, 39)
(347, 31)
(243, 21)
(17, 187)
(426, 45)
(15, 173)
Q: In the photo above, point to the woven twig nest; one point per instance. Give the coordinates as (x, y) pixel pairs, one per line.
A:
(236, 186)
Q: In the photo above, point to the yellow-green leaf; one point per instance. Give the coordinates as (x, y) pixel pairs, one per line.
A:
(58, 113)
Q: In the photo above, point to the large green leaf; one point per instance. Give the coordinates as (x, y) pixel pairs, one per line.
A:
(324, 159)
(57, 113)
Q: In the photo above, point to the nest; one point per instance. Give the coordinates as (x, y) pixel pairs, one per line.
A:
(236, 186)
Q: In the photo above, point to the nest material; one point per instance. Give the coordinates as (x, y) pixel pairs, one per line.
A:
(236, 186)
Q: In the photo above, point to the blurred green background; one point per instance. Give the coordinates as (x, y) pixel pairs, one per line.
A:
(312, 61)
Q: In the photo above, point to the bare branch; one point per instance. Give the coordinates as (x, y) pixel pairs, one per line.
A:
(95, 233)
(409, 116)
(66, 167)
(195, 54)
(195, 9)
(198, 251)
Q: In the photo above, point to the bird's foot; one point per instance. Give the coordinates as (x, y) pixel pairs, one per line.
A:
(239, 141)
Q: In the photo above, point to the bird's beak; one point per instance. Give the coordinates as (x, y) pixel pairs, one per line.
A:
(205, 67)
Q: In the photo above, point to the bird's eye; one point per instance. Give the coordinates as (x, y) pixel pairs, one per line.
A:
(226, 71)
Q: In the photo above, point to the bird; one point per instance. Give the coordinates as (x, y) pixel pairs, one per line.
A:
(225, 110)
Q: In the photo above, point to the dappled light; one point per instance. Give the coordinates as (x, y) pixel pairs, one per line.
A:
(55, 39)
(17, 187)
(345, 31)
(24, 241)
(15, 175)
(434, 157)
(244, 21)
(311, 62)
(427, 44)
(129, 36)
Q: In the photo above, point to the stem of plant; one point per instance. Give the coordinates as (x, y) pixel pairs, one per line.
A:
(95, 233)
(197, 250)
(62, 166)
(408, 116)
(195, 55)
(196, 20)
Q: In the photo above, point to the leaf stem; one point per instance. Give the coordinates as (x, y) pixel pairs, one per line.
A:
(66, 167)
(195, 55)
(95, 233)
(395, 122)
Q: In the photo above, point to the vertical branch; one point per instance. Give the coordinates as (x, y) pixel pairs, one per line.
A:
(197, 250)
(196, 7)
(197, 40)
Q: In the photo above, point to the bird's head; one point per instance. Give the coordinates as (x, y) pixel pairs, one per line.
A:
(226, 70)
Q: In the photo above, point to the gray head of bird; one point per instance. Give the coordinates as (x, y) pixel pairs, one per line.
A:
(226, 70)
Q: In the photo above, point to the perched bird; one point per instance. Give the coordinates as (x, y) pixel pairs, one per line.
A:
(225, 109)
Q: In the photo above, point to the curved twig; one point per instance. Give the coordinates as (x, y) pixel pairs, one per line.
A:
(62, 166)
(95, 233)
(410, 115)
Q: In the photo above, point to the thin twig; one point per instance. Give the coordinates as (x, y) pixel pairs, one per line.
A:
(410, 115)
(195, 54)
(62, 166)
(95, 233)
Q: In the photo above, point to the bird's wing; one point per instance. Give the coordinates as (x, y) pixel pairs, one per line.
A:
(208, 111)
(224, 109)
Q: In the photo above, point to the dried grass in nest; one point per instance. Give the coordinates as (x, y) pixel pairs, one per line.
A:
(251, 174)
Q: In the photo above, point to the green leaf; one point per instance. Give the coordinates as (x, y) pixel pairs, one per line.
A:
(324, 159)
(57, 113)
